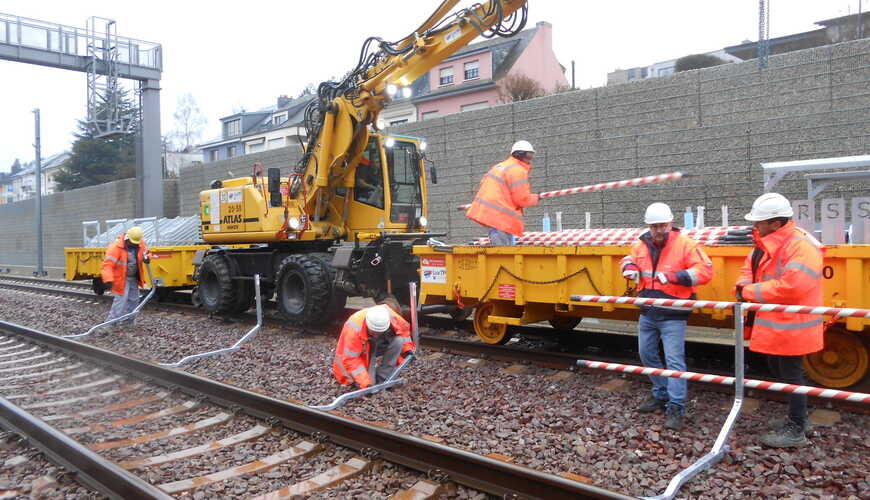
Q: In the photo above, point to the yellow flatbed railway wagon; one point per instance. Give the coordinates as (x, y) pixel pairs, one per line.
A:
(527, 284)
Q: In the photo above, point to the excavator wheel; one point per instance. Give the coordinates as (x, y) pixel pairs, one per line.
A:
(564, 322)
(844, 361)
(245, 296)
(337, 298)
(216, 289)
(491, 333)
(304, 290)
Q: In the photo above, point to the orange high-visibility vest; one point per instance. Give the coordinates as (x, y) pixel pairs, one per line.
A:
(114, 266)
(681, 255)
(503, 193)
(788, 272)
(353, 352)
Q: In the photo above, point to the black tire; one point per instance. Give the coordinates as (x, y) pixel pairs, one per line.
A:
(304, 290)
(216, 289)
(194, 297)
(337, 298)
(97, 286)
(245, 296)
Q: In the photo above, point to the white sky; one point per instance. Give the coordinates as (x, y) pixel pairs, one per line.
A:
(246, 54)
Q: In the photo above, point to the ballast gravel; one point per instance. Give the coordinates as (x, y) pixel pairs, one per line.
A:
(559, 422)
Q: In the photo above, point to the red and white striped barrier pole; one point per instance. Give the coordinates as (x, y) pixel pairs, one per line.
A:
(839, 312)
(855, 397)
(650, 179)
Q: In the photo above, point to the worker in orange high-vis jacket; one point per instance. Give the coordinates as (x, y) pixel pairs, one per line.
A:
(503, 193)
(368, 334)
(665, 264)
(784, 268)
(123, 271)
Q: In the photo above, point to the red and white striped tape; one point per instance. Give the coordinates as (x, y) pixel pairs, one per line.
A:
(605, 185)
(855, 397)
(611, 236)
(840, 312)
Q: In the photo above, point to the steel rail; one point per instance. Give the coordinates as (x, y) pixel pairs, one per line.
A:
(464, 467)
(101, 474)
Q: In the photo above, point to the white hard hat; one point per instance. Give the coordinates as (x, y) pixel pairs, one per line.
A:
(769, 206)
(658, 213)
(378, 319)
(522, 146)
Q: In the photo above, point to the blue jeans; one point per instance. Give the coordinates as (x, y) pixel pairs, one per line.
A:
(500, 238)
(672, 333)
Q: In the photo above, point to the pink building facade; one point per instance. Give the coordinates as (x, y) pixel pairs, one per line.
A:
(472, 79)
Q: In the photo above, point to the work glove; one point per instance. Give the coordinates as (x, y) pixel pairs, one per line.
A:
(146, 260)
(665, 278)
(107, 286)
(738, 292)
(631, 272)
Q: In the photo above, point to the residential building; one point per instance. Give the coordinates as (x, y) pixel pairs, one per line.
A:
(474, 77)
(659, 69)
(836, 30)
(252, 131)
(22, 185)
(173, 162)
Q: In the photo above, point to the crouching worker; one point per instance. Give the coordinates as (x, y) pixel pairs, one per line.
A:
(368, 334)
(123, 271)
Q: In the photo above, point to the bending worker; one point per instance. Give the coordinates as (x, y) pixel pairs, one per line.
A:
(366, 335)
(784, 268)
(503, 193)
(123, 271)
(666, 265)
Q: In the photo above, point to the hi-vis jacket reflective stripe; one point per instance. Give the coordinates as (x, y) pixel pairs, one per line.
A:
(681, 255)
(353, 351)
(503, 193)
(789, 272)
(114, 266)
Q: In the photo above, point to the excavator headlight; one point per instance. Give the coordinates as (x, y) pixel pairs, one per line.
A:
(381, 124)
(392, 89)
(294, 223)
(423, 145)
(390, 142)
(406, 92)
(423, 221)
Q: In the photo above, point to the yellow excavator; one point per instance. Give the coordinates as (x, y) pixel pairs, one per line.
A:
(344, 221)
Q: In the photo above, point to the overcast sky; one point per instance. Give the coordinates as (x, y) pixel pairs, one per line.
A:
(244, 55)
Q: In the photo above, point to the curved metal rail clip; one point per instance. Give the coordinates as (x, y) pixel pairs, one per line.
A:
(386, 384)
(235, 347)
(129, 315)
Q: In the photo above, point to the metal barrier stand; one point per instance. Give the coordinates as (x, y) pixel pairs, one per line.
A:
(720, 447)
(235, 347)
(130, 314)
(392, 380)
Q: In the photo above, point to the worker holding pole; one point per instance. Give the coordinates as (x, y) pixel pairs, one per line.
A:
(665, 264)
(370, 333)
(503, 194)
(123, 271)
(785, 268)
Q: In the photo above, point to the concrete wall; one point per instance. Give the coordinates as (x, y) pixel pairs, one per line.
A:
(716, 125)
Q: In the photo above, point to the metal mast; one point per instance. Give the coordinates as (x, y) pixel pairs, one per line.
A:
(105, 115)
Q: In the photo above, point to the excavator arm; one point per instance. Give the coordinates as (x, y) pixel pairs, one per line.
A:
(341, 117)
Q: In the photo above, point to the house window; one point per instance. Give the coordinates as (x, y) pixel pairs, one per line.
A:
(256, 148)
(398, 122)
(279, 119)
(446, 76)
(232, 128)
(429, 115)
(643, 73)
(231, 151)
(276, 143)
(214, 155)
(472, 70)
(666, 71)
(632, 74)
(472, 107)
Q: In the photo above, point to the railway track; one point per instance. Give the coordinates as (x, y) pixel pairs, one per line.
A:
(86, 408)
(593, 345)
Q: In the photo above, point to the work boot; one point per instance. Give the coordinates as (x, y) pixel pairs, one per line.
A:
(779, 422)
(652, 404)
(787, 436)
(674, 418)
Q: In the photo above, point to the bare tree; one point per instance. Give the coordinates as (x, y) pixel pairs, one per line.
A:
(519, 87)
(189, 123)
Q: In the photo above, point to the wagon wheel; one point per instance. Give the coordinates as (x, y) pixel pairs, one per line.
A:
(491, 333)
(564, 322)
(841, 363)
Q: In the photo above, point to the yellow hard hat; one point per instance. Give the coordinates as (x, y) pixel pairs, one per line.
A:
(134, 234)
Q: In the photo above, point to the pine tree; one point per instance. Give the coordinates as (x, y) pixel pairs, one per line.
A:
(97, 160)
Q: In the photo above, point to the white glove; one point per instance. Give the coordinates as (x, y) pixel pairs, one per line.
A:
(632, 275)
(662, 277)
